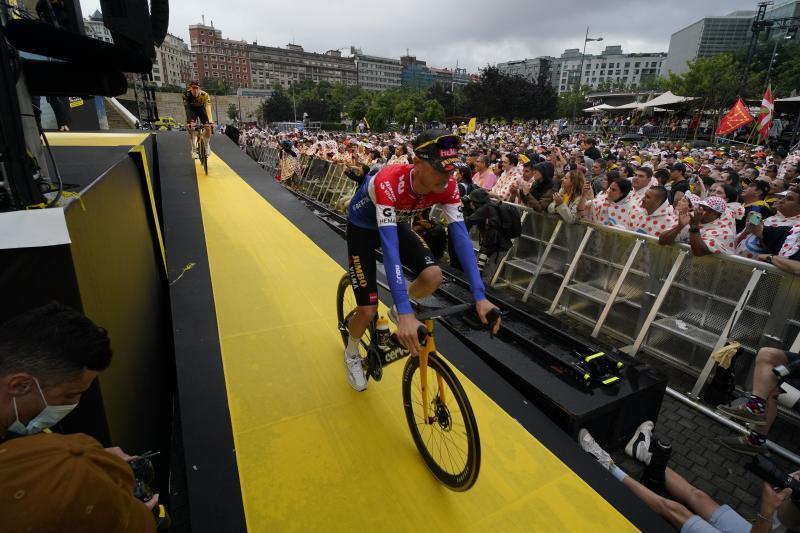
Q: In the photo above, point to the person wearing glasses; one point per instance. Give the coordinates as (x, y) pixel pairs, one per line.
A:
(379, 216)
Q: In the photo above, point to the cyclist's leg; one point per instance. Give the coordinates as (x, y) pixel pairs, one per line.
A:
(190, 120)
(416, 255)
(361, 245)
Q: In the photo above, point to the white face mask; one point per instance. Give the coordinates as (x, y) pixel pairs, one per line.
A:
(48, 417)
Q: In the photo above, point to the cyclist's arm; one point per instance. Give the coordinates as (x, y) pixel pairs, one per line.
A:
(187, 109)
(208, 109)
(387, 229)
(462, 244)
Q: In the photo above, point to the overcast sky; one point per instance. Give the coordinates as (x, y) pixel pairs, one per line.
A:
(470, 32)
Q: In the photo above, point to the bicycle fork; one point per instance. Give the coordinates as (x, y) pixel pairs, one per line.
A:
(428, 348)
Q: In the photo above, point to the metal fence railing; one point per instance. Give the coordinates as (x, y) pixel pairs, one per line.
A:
(653, 133)
(658, 299)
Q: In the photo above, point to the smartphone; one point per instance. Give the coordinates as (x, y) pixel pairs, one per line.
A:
(754, 219)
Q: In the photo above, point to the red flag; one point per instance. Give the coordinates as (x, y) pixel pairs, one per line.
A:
(765, 114)
(738, 116)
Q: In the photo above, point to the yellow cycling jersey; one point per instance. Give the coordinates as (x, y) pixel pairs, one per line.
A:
(201, 100)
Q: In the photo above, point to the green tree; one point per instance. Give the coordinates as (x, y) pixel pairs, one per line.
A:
(407, 110)
(509, 97)
(716, 80)
(357, 108)
(233, 111)
(278, 108)
(574, 99)
(432, 111)
(378, 116)
(786, 75)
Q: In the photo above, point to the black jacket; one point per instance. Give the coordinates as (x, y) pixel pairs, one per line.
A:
(487, 217)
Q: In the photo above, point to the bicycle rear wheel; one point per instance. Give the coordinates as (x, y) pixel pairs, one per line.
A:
(444, 431)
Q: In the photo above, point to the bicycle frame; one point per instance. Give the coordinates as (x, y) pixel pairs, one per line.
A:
(427, 349)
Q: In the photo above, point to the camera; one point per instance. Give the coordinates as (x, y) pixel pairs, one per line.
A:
(772, 474)
(143, 475)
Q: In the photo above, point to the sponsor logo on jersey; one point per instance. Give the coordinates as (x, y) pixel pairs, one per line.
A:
(373, 297)
(387, 216)
(387, 190)
(361, 203)
(398, 275)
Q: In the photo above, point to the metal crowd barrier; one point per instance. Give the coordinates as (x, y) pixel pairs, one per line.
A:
(659, 299)
(655, 133)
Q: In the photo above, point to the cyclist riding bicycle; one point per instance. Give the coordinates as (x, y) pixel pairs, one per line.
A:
(197, 104)
(379, 215)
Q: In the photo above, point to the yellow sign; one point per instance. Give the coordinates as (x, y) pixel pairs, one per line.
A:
(471, 125)
(74, 101)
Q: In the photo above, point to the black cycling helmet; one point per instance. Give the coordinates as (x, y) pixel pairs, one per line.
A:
(439, 147)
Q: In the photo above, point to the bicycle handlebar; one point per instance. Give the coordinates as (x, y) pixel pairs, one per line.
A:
(444, 311)
(491, 317)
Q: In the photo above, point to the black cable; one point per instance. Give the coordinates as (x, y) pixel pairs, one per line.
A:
(57, 197)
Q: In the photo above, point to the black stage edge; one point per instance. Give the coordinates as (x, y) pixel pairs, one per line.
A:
(503, 393)
(215, 498)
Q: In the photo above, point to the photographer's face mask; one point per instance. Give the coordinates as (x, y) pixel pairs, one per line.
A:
(48, 417)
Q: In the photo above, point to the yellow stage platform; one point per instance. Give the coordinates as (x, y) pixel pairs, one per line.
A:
(313, 455)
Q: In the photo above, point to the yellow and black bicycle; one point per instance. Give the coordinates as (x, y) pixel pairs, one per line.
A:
(200, 144)
(437, 409)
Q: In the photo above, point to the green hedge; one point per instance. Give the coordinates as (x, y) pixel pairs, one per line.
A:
(333, 126)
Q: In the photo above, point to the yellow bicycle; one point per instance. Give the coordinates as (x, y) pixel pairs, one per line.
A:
(200, 144)
(437, 409)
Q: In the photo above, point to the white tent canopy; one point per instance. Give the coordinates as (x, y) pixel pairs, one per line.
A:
(667, 99)
(632, 105)
(601, 107)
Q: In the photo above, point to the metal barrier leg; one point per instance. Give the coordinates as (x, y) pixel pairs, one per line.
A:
(571, 270)
(796, 344)
(662, 294)
(723, 336)
(542, 260)
(617, 287)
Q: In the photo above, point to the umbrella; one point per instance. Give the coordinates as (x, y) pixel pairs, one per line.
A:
(631, 137)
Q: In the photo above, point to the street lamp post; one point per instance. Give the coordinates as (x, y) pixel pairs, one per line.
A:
(580, 74)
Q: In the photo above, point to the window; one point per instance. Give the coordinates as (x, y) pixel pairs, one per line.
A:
(627, 65)
(637, 64)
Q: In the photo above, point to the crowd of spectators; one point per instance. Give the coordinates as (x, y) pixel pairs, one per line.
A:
(717, 199)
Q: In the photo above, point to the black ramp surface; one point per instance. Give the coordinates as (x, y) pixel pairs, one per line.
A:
(212, 475)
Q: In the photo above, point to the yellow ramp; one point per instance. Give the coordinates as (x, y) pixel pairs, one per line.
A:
(314, 455)
(58, 138)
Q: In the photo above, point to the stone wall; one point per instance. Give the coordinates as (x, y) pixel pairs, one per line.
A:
(171, 105)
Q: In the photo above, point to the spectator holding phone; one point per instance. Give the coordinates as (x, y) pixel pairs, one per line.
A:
(48, 358)
(769, 236)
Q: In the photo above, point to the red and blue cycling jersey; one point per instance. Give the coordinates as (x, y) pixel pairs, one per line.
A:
(386, 198)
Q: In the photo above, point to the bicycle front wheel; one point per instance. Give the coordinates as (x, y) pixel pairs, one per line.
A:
(203, 153)
(444, 430)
